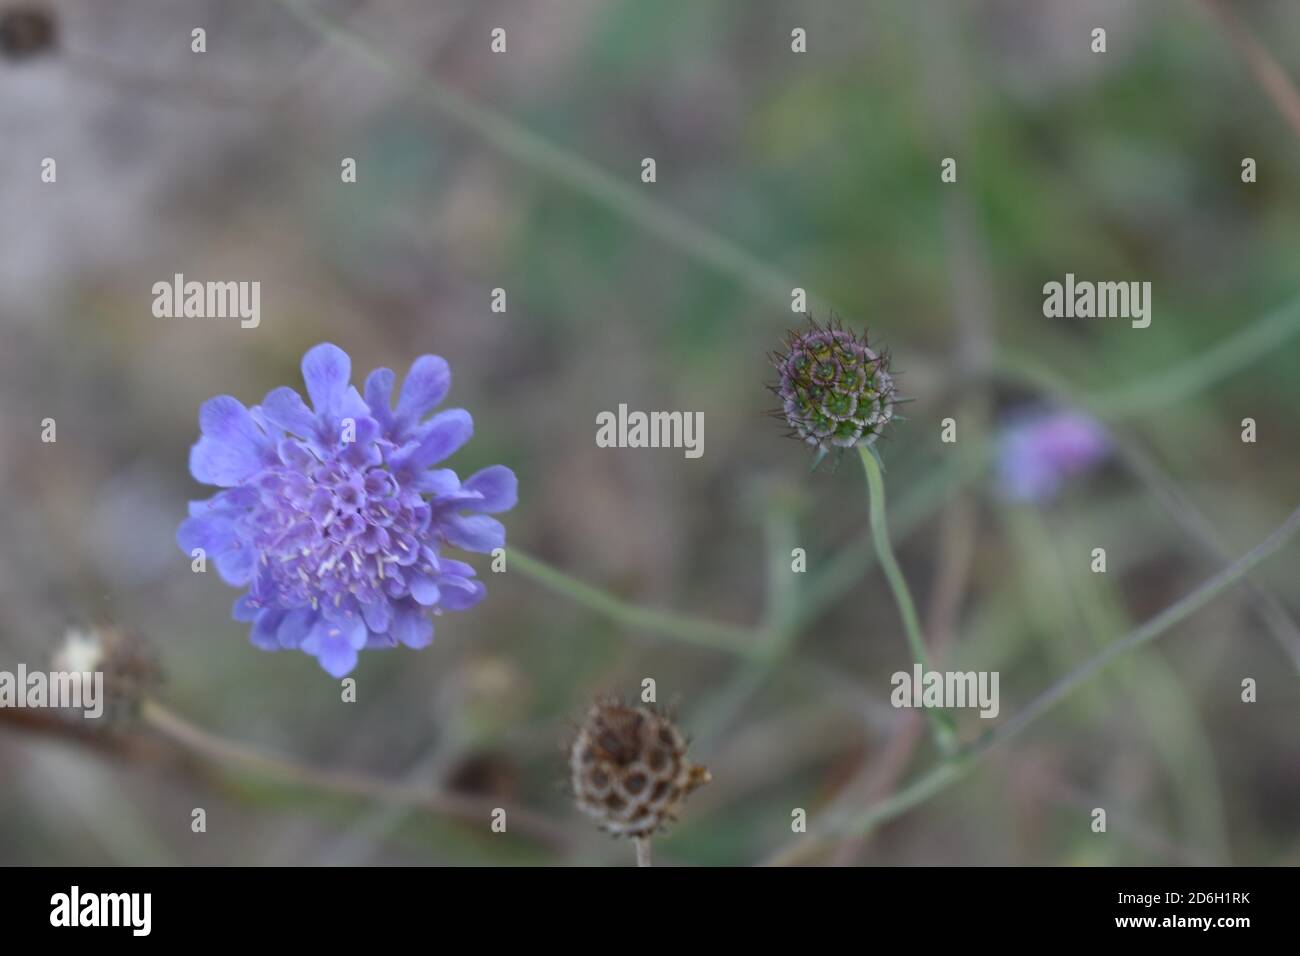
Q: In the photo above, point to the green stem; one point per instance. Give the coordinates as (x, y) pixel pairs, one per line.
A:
(944, 735)
(240, 756)
(1163, 388)
(566, 167)
(718, 637)
(850, 565)
(790, 613)
(939, 777)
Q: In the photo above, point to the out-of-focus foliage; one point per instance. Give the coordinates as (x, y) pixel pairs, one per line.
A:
(819, 170)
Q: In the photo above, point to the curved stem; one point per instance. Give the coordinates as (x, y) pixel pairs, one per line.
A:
(233, 754)
(944, 736)
(721, 637)
(1264, 67)
(564, 166)
(938, 778)
(1168, 386)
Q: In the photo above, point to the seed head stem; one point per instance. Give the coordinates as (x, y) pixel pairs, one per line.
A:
(940, 724)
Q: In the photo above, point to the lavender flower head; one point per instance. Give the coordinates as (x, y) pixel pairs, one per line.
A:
(332, 515)
(835, 391)
(1038, 452)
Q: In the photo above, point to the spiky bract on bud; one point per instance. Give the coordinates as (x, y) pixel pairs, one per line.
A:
(835, 391)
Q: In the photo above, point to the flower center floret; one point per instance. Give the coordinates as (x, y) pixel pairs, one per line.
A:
(334, 536)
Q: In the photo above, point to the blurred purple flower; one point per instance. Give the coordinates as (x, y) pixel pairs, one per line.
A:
(1037, 453)
(332, 516)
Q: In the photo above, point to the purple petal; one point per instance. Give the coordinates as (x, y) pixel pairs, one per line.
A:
(498, 486)
(225, 503)
(426, 385)
(326, 369)
(244, 610)
(236, 565)
(424, 589)
(284, 408)
(446, 432)
(296, 455)
(378, 615)
(379, 394)
(362, 453)
(215, 534)
(225, 419)
(461, 500)
(411, 626)
(295, 627)
(352, 405)
(223, 464)
(460, 594)
(337, 657)
(335, 644)
(436, 481)
(474, 532)
(263, 634)
(458, 568)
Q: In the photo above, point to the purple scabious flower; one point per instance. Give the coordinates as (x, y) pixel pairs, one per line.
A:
(332, 515)
(1038, 452)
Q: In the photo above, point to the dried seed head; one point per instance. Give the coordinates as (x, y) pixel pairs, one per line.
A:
(834, 390)
(26, 31)
(128, 662)
(629, 769)
(484, 773)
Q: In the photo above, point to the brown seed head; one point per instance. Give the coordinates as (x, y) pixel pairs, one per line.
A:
(629, 769)
(127, 660)
(26, 31)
